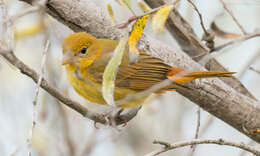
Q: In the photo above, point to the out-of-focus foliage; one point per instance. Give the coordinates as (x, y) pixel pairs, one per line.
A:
(160, 17)
(28, 31)
(143, 6)
(111, 13)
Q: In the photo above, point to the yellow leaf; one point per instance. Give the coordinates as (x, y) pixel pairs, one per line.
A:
(109, 76)
(143, 6)
(137, 32)
(159, 18)
(111, 13)
(126, 3)
(28, 31)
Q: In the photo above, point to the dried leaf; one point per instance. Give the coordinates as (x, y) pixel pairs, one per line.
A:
(160, 17)
(110, 72)
(222, 34)
(137, 32)
(143, 6)
(111, 13)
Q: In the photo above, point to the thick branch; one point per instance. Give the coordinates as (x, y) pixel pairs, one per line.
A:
(213, 95)
(189, 42)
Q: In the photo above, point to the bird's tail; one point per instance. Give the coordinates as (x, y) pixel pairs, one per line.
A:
(180, 76)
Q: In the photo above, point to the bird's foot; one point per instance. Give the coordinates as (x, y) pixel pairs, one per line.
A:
(112, 117)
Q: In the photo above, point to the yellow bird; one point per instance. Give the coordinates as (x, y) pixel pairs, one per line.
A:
(86, 57)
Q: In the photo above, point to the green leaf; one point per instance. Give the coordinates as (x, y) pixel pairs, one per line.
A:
(110, 72)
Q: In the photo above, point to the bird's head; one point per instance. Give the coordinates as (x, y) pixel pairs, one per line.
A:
(80, 50)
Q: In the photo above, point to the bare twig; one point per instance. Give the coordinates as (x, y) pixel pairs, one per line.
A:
(190, 44)
(233, 17)
(21, 14)
(35, 99)
(255, 70)
(193, 147)
(200, 16)
(206, 124)
(52, 76)
(250, 143)
(208, 37)
(6, 27)
(91, 142)
(44, 56)
(246, 37)
(223, 34)
(198, 124)
(168, 147)
(11, 58)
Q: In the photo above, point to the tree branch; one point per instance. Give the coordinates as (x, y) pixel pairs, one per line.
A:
(168, 147)
(190, 43)
(11, 58)
(213, 95)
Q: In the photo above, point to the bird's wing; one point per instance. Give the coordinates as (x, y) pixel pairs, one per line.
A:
(145, 73)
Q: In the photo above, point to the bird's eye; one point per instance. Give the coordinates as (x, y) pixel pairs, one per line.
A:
(83, 50)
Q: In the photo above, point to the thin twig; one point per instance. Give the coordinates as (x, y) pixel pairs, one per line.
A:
(208, 37)
(246, 37)
(214, 52)
(255, 70)
(250, 143)
(54, 77)
(206, 124)
(90, 144)
(246, 66)
(21, 14)
(6, 28)
(233, 17)
(43, 61)
(200, 16)
(66, 129)
(193, 147)
(180, 29)
(168, 147)
(11, 58)
(44, 56)
(35, 99)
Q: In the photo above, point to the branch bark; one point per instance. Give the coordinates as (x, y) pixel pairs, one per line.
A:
(213, 95)
(190, 43)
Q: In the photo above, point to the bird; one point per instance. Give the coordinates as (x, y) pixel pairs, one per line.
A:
(85, 58)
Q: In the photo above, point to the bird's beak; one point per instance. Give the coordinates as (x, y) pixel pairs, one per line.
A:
(67, 58)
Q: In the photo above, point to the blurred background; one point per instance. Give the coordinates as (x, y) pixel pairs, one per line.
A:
(60, 131)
